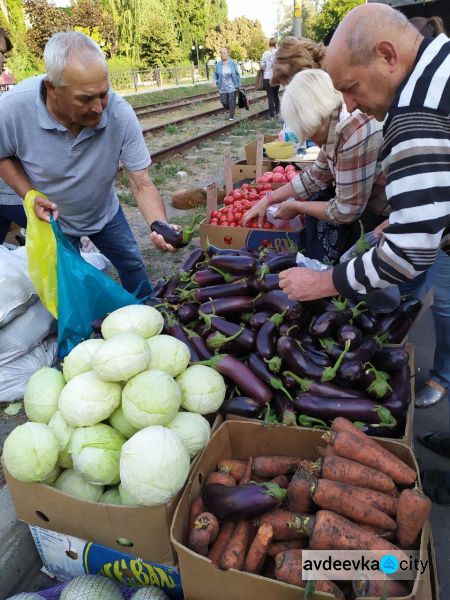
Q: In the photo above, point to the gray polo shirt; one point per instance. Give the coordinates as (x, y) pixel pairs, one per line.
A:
(7, 195)
(77, 173)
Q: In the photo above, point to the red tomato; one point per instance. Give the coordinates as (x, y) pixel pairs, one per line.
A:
(278, 169)
(253, 196)
(238, 205)
(259, 187)
(230, 218)
(214, 222)
(247, 204)
(238, 217)
(291, 175)
(268, 177)
(278, 178)
(228, 200)
(223, 219)
(261, 179)
(237, 194)
(232, 224)
(268, 186)
(267, 225)
(289, 168)
(245, 186)
(255, 225)
(215, 214)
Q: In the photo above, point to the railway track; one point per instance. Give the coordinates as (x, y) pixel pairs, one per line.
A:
(164, 153)
(161, 107)
(194, 117)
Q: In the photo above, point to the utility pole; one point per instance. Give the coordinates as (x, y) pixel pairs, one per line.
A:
(298, 18)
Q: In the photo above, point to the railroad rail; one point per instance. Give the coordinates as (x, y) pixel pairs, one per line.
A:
(161, 107)
(160, 155)
(194, 117)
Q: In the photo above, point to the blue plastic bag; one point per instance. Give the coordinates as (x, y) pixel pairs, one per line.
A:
(84, 294)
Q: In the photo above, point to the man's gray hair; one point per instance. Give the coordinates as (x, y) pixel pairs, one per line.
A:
(362, 40)
(62, 47)
(308, 101)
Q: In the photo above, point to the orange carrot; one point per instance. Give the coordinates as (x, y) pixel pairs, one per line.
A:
(299, 492)
(197, 507)
(247, 474)
(342, 469)
(282, 525)
(222, 540)
(257, 553)
(379, 500)
(222, 478)
(277, 547)
(325, 451)
(232, 467)
(372, 588)
(329, 587)
(204, 533)
(236, 549)
(373, 455)
(281, 480)
(342, 499)
(413, 510)
(288, 567)
(271, 466)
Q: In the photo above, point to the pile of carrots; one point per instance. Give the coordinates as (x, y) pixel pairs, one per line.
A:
(258, 515)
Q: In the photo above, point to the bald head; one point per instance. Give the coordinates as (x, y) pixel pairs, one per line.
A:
(372, 51)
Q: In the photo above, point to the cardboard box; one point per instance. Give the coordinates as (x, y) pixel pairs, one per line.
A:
(237, 439)
(65, 557)
(238, 237)
(250, 150)
(144, 530)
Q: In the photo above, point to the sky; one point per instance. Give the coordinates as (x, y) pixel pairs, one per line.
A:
(263, 10)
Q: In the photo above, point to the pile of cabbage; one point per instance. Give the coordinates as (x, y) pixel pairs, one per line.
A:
(123, 420)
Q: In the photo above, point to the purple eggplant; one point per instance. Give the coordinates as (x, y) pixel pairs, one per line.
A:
(242, 501)
(354, 409)
(224, 290)
(396, 336)
(349, 333)
(407, 311)
(199, 344)
(293, 358)
(258, 319)
(262, 371)
(214, 250)
(317, 356)
(192, 261)
(227, 306)
(350, 373)
(278, 301)
(160, 287)
(317, 307)
(400, 397)
(178, 238)
(284, 409)
(207, 277)
(391, 359)
(281, 262)
(243, 266)
(327, 390)
(242, 406)
(225, 332)
(187, 312)
(243, 378)
(363, 353)
(171, 286)
(367, 323)
(266, 339)
(269, 282)
(327, 324)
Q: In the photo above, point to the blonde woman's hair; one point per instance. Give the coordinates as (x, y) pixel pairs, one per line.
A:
(308, 101)
(294, 55)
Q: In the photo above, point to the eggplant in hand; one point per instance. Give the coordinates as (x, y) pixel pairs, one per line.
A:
(178, 238)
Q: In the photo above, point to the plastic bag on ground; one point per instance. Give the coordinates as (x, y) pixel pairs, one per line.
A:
(14, 376)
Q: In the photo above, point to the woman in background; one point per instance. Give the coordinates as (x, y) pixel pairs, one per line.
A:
(226, 77)
(271, 90)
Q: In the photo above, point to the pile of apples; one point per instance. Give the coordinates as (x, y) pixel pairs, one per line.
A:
(279, 175)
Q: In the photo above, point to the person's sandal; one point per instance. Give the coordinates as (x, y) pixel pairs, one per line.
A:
(436, 441)
(436, 486)
(431, 393)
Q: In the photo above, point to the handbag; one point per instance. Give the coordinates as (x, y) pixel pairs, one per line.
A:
(259, 83)
(243, 101)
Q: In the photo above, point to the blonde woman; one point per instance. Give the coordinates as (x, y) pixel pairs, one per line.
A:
(295, 55)
(347, 166)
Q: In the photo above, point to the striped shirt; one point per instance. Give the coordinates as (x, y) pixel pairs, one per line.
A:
(351, 159)
(416, 160)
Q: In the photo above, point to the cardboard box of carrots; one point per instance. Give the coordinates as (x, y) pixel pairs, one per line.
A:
(258, 497)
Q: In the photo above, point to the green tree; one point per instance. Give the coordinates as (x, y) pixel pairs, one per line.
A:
(91, 18)
(331, 14)
(285, 27)
(158, 42)
(243, 37)
(45, 20)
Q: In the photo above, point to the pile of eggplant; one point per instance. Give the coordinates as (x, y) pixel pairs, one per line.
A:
(296, 363)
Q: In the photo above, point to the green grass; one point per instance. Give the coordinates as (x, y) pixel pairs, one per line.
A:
(171, 129)
(161, 172)
(176, 93)
(126, 197)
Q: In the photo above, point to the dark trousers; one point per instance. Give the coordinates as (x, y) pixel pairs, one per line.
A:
(229, 101)
(272, 97)
(13, 213)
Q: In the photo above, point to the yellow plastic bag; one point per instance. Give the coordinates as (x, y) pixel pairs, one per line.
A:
(41, 253)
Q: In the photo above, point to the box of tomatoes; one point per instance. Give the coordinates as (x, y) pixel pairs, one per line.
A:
(222, 226)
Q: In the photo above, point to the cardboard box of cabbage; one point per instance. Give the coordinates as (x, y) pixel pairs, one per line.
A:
(124, 413)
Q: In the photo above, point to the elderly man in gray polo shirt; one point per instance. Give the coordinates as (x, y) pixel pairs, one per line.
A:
(64, 134)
